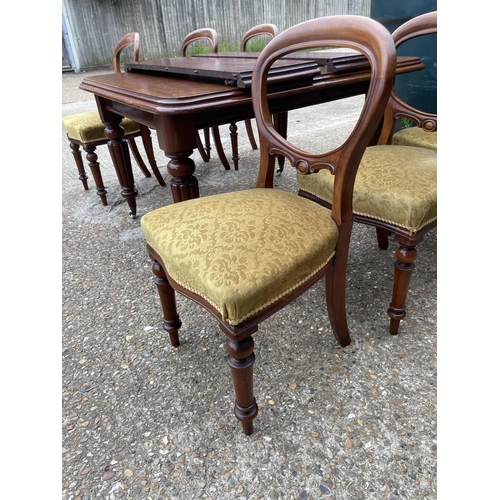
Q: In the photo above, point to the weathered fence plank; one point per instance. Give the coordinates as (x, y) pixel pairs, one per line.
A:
(94, 26)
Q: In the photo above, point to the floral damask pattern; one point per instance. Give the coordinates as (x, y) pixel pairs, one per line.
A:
(416, 137)
(88, 127)
(396, 184)
(243, 250)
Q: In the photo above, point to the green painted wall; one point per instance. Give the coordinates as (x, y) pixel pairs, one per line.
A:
(418, 89)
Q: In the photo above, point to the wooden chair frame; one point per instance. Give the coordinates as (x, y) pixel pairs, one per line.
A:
(269, 30)
(406, 253)
(210, 35)
(131, 39)
(371, 38)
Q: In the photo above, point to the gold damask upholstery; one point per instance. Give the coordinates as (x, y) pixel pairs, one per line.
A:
(416, 137)
(238, 271)
(88, 127)
(394, 184)
(244, 255)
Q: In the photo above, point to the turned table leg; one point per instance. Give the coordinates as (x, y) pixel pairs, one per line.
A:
(183, 183)
(178, 137)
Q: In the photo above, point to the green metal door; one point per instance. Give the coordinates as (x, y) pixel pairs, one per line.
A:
(418, 89)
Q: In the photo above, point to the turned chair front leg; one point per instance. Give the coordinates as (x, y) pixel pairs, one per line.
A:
(77, 155)
(208, 147)
(95, 168)
(241, 359)
(233, 133)
(403, 267)
(171, 321)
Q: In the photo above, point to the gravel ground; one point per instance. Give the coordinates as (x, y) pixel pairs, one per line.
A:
(144, 420)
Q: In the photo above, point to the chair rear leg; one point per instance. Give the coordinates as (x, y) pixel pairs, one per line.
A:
(251, 137)
(335, 284)
(241, 359)
(171, 321)
(403, 267)
(383, 238)
(201, 149)
(206, 135)
(233, 133)
(77, 155)
(219, 148)
(137, 156)
(148, 146)
(95, 168)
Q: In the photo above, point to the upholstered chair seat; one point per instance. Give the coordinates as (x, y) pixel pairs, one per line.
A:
(394, 184)
(233, 262)
(87, 127)
(416, 137)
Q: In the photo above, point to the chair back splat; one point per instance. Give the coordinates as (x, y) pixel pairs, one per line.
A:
(343, 161)
(221, 251)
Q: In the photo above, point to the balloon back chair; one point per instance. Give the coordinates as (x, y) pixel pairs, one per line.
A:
(424, 134)
(264, 32)
(220, 251)
(396, 185)
(211, 36)
(87, 130)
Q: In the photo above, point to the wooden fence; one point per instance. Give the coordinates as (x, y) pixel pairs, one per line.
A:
(91, 28)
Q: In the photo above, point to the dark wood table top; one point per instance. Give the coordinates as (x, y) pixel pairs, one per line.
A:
(177, 106)
(164, 94)
(235, 70)
(332, 60)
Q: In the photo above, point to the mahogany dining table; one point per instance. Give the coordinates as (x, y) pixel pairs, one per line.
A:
(177, 106)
